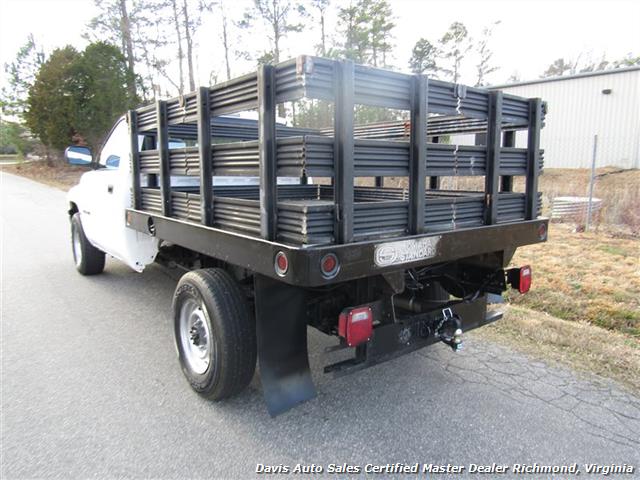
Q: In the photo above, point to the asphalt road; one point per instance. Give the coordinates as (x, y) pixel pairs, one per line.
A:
(91, 386)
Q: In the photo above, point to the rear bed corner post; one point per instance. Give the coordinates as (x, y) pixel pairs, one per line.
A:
(492, 178)
(267, 151)
(418, 154)
(204, 153)
(343, 164)
(281, 329)
(533, 159)
(163, 152)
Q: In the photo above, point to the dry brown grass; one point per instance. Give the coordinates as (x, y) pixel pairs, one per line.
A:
(579, 345)
(619, 191)
(589, 277)
(61, 176)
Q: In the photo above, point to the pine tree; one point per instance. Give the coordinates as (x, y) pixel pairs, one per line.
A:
(558, 68)
(225, 37)
(21, 74)
(280, 17)
(367, 27)
(321, 8)
(455, 44)
(78, 95)
(50, 113)
(114, 24)
(424, 58)
(485, 53)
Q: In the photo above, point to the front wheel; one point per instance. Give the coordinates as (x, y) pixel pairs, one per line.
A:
(214, 333)
(88, 259)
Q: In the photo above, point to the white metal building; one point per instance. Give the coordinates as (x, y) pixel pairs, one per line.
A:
(606, 103)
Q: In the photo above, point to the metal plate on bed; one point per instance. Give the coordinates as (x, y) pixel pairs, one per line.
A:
(405, 251)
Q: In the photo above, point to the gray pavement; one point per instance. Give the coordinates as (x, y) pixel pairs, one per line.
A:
(91, 387)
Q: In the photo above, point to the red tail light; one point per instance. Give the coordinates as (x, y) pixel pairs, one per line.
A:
(524, 285)
(355, 325)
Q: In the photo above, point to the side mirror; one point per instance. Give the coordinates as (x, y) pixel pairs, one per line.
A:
(75, 155)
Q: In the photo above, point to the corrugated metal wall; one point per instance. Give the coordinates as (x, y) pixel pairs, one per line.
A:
(578, 110)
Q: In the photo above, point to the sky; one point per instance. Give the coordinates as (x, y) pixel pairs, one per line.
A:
(531, 34)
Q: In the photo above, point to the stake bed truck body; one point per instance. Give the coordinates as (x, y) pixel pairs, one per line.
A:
(270, 249)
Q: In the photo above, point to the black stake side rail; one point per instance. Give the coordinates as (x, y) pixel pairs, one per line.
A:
(356, 259)
(314, 77)
(235, 128)
(313, 156)
(346, 85)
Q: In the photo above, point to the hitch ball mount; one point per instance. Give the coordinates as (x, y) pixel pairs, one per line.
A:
(449, 329)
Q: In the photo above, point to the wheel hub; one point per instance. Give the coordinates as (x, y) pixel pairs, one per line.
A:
(195, 336)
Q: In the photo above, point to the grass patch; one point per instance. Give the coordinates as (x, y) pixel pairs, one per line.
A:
(580, 345)
(10, 158)
(614, 250)
(588, 277)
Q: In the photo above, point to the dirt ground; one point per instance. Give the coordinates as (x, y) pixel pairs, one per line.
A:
(60, 176)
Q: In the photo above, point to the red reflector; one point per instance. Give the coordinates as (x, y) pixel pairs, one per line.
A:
(542, 231)
(329, 265)
(525, 279)
(355, 325)
(281, 264)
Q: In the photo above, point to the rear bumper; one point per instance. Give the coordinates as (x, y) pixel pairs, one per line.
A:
(411, 333)
(357, 260)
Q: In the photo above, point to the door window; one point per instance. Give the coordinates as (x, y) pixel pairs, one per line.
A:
(113, 161)
(116, 146)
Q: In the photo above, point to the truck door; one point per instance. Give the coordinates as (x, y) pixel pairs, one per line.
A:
(111, 196)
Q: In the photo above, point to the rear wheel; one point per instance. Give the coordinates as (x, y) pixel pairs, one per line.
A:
(214, 333)
(88, 259)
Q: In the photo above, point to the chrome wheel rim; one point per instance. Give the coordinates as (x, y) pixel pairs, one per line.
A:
(195, 336)
(77, 246)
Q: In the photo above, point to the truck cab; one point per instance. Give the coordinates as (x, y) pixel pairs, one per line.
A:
(103, 195)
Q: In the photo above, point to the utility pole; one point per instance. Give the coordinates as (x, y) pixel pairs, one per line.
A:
(593, 177)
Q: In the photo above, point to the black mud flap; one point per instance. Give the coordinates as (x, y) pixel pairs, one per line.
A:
(282, 344)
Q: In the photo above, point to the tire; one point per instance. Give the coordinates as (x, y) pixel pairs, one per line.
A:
(88, 259)
(215, 333)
